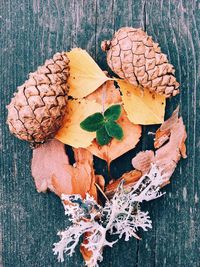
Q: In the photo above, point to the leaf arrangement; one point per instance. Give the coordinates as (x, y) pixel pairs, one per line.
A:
(151, 172)
(141, 106)
(104, 125)
(104, 120)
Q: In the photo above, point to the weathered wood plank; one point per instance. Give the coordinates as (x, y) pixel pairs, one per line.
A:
(33, 30)
(175, 235)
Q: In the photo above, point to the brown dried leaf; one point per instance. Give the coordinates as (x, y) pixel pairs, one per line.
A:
(129, 178)
(142, 161)
(107, 95)
(49, 159)
(163, 133)
(51, 170)
(167, 154)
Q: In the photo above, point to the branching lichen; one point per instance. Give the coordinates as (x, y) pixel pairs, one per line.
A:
(120, 216)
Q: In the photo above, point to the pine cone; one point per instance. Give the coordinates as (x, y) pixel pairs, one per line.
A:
(37, 110)
(133, 56)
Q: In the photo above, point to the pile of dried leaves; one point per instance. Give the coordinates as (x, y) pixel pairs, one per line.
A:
(104, 118)
(78, 185)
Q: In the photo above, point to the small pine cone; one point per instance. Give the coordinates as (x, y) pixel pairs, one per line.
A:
(133, 56)
(38, 107)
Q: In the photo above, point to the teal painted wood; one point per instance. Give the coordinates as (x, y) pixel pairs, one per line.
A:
(33, 30)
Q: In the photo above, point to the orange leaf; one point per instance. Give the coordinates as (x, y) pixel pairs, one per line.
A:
(117, 148)
(142, 161)
(107, 94)
(87, 254)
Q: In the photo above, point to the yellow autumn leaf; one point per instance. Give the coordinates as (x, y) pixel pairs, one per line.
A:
(71, 133)
(85, 74)
(142, 106)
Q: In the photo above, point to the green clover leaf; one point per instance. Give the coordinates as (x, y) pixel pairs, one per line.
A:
(102, 136)
(114, 130)
(93, 122)
(104, 125)
(113, 113)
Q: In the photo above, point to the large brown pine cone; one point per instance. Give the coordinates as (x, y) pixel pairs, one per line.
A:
(133, 56)
(37, 110)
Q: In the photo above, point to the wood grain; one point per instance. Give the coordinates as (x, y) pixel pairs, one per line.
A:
(33, 30)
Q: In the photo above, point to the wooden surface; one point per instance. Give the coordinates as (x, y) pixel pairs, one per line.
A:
(33, 30)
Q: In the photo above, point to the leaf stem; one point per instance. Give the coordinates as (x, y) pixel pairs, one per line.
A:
(103, 97)
(102, 192)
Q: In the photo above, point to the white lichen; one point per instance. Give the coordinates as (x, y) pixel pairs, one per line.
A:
(121, 216)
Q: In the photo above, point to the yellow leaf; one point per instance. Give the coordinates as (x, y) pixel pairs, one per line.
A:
(71, 132)
(142, 106)
(85, 74)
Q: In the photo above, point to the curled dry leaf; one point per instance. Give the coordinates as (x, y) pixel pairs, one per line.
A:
(106, 95)
(163, 133)
(81, 173)
(142, 106)
(165, 157)
(49, 159)
(170, 143)
(51, 170)
(85, 74)
(130, 178)
(71, 133)
(168, 155)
